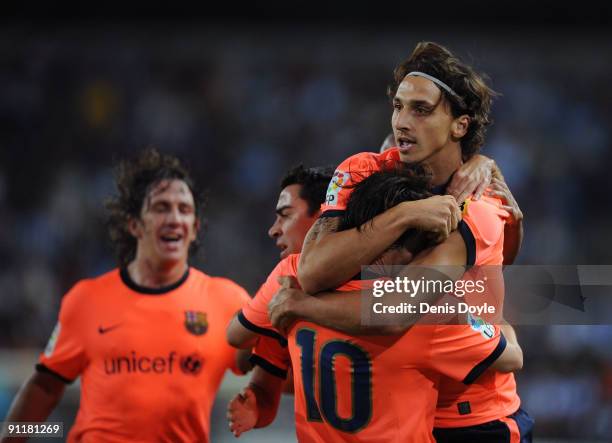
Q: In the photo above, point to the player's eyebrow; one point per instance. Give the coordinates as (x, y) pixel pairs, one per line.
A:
(280, 209)
(417, 102)
(421, 103)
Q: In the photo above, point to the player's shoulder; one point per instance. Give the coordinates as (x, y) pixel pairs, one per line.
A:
(363, 161)
(286, 266)
(485, 217)
(93, 284)
(85, 289)
(221, 284)
(484, 204)
(290, 263)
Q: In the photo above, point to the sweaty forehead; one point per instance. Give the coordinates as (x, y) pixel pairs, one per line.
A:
(418, 88)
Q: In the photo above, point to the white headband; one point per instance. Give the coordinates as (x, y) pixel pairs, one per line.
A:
(440, 83)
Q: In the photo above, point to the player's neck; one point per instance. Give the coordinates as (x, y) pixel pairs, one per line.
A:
(444, 163)
(152, 275)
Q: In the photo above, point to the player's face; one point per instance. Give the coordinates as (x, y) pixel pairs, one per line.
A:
(421, 120)
(292, 221)
(167, 224)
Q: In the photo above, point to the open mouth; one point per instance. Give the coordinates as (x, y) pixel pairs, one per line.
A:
(405, 143)
(171, 239)
(282, 248)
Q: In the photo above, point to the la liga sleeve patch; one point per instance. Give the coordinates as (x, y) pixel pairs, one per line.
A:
(339, 179)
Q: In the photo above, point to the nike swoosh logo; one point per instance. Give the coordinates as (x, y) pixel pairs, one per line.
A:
(102, 330)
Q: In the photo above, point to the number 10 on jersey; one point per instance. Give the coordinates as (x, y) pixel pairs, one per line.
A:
(361, 382)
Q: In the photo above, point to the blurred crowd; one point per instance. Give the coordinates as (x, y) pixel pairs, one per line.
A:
(241, 106)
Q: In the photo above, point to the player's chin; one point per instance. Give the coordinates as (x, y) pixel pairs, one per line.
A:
(286, 251)
(412, 157)
(173, 256)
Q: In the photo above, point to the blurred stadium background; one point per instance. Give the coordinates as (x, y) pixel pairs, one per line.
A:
(241, 103)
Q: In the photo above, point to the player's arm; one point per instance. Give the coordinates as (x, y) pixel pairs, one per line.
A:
(35, 400)
(252, 321)
(257, 405)
(330, 258)
(240, 337)
(513, 229)
(475, 175)
(243, 363)
(267, 389)
(512, 358)
(342, 310)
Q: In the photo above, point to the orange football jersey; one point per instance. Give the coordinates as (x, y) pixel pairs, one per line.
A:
(493, 395)
(482, 229)
(371, 389)
(150, 360)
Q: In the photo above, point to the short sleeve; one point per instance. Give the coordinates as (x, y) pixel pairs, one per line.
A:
(234, 295)
(464, 352)
(64, 355)
(485, 221)
(254, 315)
(255, 312)
(350, 172)
(271, 356)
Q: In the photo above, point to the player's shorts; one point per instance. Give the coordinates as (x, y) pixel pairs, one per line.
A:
(515, 428)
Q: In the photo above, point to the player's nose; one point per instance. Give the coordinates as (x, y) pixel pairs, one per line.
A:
(174, 217)
(402, 123)
(275, 230)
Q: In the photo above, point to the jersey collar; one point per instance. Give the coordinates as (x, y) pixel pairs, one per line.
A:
(127, 280)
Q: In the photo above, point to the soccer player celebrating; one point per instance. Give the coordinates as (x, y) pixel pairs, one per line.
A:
(351, 388)
(147, 339)
(302, 193)
(441, 110)
(298, 207)
(440, 114)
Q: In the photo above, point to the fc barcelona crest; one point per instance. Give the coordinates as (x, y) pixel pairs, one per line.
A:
(195, 322)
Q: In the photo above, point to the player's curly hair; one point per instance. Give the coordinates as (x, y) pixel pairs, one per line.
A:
(134, 179)
(475, 96)
(314, 182)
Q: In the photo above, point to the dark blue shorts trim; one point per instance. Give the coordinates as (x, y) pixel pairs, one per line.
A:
(495, 431)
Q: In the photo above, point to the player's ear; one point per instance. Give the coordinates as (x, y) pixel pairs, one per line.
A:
(460, 126)
(134, 227)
